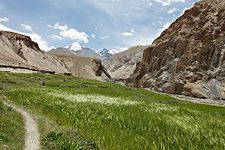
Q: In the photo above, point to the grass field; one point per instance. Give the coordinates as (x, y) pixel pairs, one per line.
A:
(86, 114)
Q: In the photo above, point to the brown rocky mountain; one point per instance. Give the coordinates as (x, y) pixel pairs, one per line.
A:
(84, 67)
(122, 65)
(20, 52)
(189, 57)
(61, 51)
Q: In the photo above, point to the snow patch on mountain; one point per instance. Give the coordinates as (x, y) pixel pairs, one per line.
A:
(75, 46)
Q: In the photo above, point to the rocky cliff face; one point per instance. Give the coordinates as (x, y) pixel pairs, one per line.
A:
(14, 38)
(105, 53)
(84, 67)
(122, 65)
(17, 50)
(188, 57)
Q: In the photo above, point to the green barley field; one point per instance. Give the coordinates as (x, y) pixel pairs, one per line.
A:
(76, 113)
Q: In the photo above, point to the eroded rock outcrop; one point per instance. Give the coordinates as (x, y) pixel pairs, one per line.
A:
(121, 65)
(84, 67)
(188, 57)
(19, 51)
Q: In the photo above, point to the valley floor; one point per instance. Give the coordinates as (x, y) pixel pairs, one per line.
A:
(74, 113)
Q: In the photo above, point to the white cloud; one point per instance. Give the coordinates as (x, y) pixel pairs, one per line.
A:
(127, 33)
(59, 27)
(41, 42)
(56, 37)
(168, 2)
(165, 26)
(160, 22)
(70, 33)
(4, 19)
(119, 49)
(50, 26)
(131, 33)
(93, 35)
(34, 36)
(150, 4)
(4, 28)
(73, 34)
(172, 10)
(123, 48)
(105, 37)
(132, 30)
(26, 27)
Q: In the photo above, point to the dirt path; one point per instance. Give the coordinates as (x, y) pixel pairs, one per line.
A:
(194, 100)
(199, 100)
(32, 141)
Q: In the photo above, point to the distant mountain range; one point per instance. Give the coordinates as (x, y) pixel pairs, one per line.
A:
(83, 51)
(106, 53)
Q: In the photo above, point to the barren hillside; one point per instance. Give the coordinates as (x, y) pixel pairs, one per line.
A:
(20, 51)
(122, 65)
(188, 57)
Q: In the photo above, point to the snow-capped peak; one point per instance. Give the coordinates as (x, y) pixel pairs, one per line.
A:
(75, 46)
(112, 51)
(107, 53)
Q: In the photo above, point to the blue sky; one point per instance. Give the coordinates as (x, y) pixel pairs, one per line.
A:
(98, 24)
